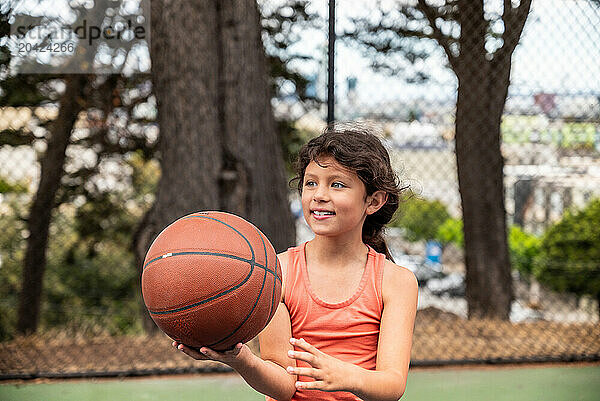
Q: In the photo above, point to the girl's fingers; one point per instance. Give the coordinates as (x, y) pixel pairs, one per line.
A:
(205, 353)
(302, 343)
(219, 356)
(315, 385)
(191, 352)
(310, 372)
(188, 351)
(303, 356)
(235, 350)
(210, 353)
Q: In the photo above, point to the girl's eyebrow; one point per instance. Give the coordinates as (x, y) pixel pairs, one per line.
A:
(333, 176)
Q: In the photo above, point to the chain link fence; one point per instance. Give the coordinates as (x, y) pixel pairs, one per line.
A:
(549, 130)
(550, 146)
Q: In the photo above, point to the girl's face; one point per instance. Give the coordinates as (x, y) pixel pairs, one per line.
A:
(334, 199)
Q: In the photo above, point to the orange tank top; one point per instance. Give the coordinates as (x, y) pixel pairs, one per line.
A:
(347, 330)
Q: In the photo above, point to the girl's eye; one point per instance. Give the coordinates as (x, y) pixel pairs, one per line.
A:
(340, 185)
(308, 183)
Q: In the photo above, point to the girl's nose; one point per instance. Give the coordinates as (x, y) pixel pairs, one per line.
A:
(320, 194)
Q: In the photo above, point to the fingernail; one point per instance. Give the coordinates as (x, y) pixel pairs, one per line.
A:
(292, 340)
(290, 353)
(290, 369)
(203, 350)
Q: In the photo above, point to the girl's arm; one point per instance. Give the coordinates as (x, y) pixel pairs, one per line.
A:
(400, 296)
(266, 375)
(388, 381)
(274, 347)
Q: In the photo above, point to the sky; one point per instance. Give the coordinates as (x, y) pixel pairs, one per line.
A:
(558, 52)
(560, 48)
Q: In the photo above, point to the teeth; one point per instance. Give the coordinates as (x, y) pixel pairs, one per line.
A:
(322, 213)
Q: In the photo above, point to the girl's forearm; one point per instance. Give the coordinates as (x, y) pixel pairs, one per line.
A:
(377, 385)
(267, 377)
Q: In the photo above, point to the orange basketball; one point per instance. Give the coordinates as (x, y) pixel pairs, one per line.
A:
(211, 279)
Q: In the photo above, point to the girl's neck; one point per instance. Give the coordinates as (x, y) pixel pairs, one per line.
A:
(335, 252)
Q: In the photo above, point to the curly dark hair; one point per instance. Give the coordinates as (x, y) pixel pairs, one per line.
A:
(356, 147)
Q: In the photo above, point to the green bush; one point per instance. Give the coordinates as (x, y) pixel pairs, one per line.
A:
(13, 205)
(8, 187)
(12, 253)
(451, 231)
(91, 279)
(420, 218)
(523, 248)
(569, 258)
(91, 283)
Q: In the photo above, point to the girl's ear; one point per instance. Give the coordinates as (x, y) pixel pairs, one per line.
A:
(376, 201)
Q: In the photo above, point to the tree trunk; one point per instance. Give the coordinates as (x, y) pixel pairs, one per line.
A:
(218, 144)
(185, 80)
(253, 177)
(40, 213)
(482, 90)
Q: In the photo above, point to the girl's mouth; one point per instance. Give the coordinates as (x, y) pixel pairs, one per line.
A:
(322, 215)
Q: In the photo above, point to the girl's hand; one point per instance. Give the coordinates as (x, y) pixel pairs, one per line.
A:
(234, 357)
(330, 374)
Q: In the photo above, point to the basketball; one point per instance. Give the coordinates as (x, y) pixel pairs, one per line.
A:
(211, 279)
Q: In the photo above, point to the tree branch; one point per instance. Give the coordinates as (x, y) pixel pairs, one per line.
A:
(508, 9)
(514, 22)
(442, 39)
(16, 137)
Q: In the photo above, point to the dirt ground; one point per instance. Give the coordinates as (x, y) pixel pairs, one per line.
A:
(440, 339)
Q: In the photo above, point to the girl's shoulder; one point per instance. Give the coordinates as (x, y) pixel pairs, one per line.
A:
(398, 280)
(397, 269)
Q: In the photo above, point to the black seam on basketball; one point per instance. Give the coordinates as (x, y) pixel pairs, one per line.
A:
(242, 235)
(267, 263)
(273, 301)
(262, 287)
(225, 255)
(182, 308)
(233, 228)
(274, 275)
(257, 299)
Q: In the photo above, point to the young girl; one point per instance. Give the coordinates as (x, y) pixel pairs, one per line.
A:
(343, 329)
